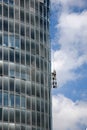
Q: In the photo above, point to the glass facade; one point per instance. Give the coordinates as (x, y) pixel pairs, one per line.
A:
(25, 99)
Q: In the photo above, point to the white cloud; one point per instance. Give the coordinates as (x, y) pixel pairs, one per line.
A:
(71, 35)
(68, 114)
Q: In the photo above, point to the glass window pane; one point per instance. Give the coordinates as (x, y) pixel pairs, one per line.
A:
(11, 115)
(0, 9)
(5, 40)
(11, 27)
(22, 116)
(11, 85)
(5, 83)
(11, 41)
(0, 53)
(17, 42)
(0, 114)
(11, 57)
(17, 57)
(11, 100)
(0, 39)
(5, 53)
(5, 99)
(0, 68)
(0, 24)
(23, 102)
(0, 98)
(5, 69)
(5, 25)
(16, 28)
(11, 12)
(5, 10)
(17, 101)
(17, 86)
(28, 118)
(28, 103)
(17, 116)
(5, 113)
(12, 70)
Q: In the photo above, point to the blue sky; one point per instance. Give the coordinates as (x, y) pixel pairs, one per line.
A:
(68, 30)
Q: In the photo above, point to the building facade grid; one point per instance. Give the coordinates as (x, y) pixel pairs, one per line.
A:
(25, 99)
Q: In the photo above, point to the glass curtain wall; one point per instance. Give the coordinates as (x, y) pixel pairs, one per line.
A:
(25, 99)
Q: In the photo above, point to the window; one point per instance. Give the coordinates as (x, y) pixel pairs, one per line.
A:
(32, 61)
(11, 12)
(17, 86)
(33, 75)
(27, 46)
(17, 57)
(11, 100)
(28, 103)
(5, 69)
(22, 116)
(23, 87)
(5, 39)
(22, 16)
(28, 88)
(5, 25)
(0, 83)
(27, 4)
(22, 30)
(22, 3)
(5, 83)
(16, 28)
(11, 57)
(5, 10)
(5, 1)
(11, 41)
(17, 101)
(0, 9)
(5, 53)
(12, 70)
(11, 115)
(22, 59)
(0, 98)
(38, 119)
(16, 14)
(11, 27)
(0, 39)
(17, 2)
(37, 63)
(5, 114)
(0, 68)
(38, 105)
(32, 48)
(0, 53)
(17, 42)
(38, 91)
(5, 99)
(27, 59)
(23, 102)
(0, 115)
(27, 32)
(32, 19)
(27, 18)
(33, 118)
(32, 34)
(11, 2)
(33, 103)
(17, 71)
(23, 76)
(11, 87)
(17, 116)
(28, 118)
(33, 89)
(22, 44)
(0, 24)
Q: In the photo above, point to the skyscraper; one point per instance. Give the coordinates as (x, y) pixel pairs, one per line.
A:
(25, 99)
